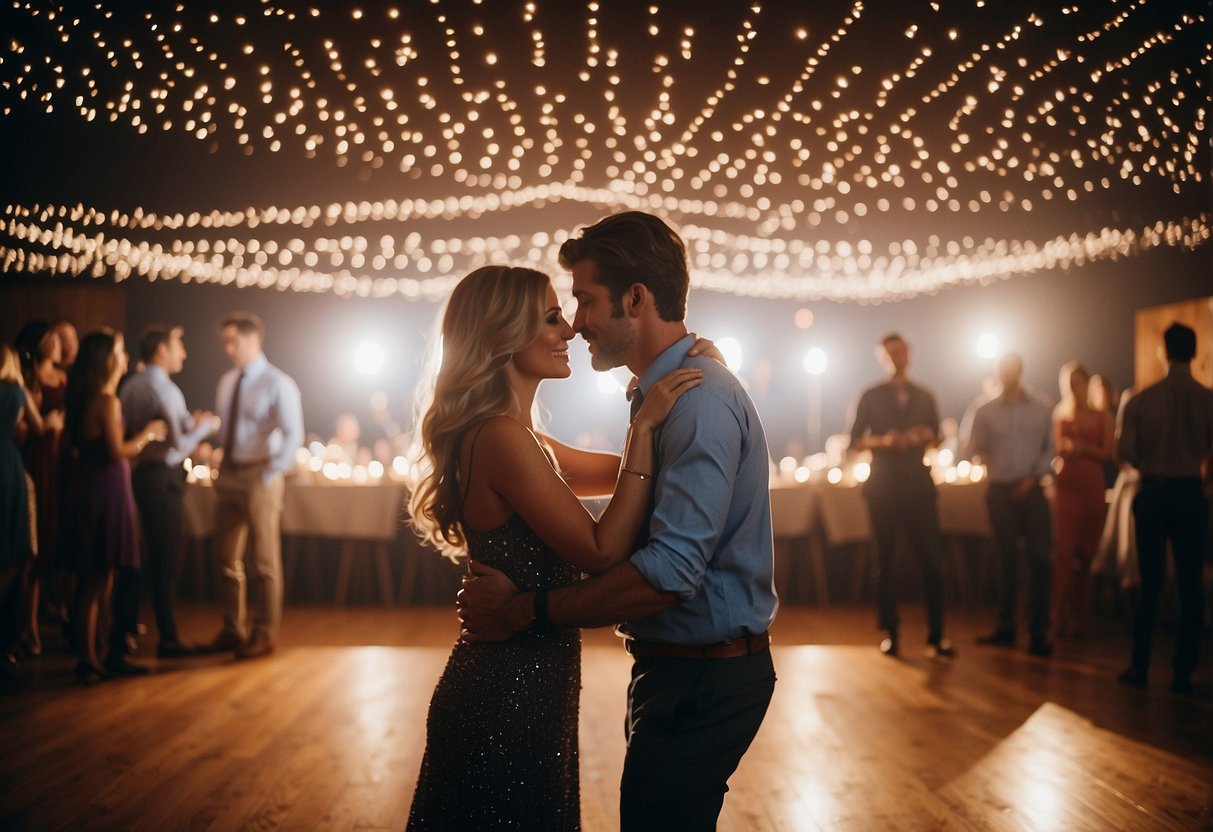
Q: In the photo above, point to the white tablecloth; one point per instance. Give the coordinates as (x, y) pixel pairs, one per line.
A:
(842, 512)
(372, 512)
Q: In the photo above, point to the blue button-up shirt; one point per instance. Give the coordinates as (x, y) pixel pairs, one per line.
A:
(269, 425)
(1013, 438)
(709, 537)
(150, 395)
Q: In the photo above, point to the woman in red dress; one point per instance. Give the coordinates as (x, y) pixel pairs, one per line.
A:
(1084, 439)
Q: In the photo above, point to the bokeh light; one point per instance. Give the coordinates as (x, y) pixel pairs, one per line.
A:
(975, 145)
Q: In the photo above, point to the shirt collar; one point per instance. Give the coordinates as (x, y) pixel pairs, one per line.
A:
(669, 360)
(256, 367)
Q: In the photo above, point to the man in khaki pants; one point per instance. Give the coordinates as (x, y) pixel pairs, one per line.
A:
(262, 428)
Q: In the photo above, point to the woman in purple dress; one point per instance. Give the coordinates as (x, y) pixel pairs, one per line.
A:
(104, 529)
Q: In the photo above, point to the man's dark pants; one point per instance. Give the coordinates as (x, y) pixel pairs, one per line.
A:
(906, 499)
(1027, 520)
(689, 723)
(1172, 509)
(159, 493)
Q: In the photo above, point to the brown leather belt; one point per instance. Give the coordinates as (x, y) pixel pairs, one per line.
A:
(235, 463)
(740, 646)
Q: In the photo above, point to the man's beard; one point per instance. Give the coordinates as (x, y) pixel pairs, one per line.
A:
(604, 362)
(611, 346)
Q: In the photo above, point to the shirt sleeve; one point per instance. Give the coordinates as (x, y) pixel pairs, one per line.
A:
(289, 412)
(861, 421)
(699, 449)
(189, 431)
(174, 412)
(1044, 463)
(222, 407)
(932, 415)
(975, 433)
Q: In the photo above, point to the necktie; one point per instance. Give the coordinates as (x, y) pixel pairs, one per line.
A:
(229, 440)
(636, 397)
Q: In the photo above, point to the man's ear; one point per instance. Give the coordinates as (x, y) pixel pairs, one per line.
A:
(635, 298)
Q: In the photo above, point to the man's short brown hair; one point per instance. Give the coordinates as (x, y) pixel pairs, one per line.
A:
(246, 323)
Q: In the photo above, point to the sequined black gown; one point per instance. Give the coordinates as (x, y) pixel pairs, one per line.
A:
(501, 738)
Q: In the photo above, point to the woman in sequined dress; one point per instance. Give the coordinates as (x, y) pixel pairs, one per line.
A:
(501, 742)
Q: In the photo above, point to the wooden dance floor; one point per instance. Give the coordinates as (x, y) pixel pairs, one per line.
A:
(328, 734)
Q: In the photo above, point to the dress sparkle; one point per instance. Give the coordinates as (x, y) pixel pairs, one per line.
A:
(501, 737)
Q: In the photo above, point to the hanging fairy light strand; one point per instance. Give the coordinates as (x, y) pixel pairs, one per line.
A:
(1014, 116)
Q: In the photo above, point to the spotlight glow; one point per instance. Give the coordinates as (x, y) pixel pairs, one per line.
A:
(368, 358)
(987, 345)
(816, 361)
(731, 348)
(608, 384)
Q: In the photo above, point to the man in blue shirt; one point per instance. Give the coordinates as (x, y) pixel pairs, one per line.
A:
(262, 428)
(158, 478)
(697, 596)
(1012, 433)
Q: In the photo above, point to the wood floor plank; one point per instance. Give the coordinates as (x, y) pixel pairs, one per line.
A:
(329, 733)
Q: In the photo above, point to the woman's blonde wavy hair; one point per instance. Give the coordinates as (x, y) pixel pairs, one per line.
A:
(1068, 406)
(492, 313)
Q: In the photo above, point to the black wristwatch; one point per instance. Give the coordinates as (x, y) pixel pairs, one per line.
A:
(542, 625)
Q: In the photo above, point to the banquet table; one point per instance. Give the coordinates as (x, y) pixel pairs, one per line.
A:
(368, 519)
(809, 516)
(363, 518)
(371, 512)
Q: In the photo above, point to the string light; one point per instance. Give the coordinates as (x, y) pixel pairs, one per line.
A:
(796, 178)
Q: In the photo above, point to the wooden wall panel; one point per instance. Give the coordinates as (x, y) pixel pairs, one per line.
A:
(1149, 365)
(88, 305)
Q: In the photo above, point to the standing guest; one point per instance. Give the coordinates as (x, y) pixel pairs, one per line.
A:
(104, 534)
(1013, 435)
(262, 428)
(1105, 398)
(17, 540)
(158, 477)
(38, 347)
(697, 595)
(1084, 438)
(346, 432)
(69, 343)
(897, 421)
(1166, 433)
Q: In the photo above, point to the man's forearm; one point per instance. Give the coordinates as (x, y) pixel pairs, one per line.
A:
(619, 594)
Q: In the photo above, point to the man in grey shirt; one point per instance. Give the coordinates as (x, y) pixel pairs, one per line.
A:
(1166, 433)
(158, 478)
(1012, 434)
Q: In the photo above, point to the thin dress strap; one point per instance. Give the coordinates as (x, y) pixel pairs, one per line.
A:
(467, 486)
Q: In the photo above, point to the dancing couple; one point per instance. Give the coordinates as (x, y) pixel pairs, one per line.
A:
(681, 559)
